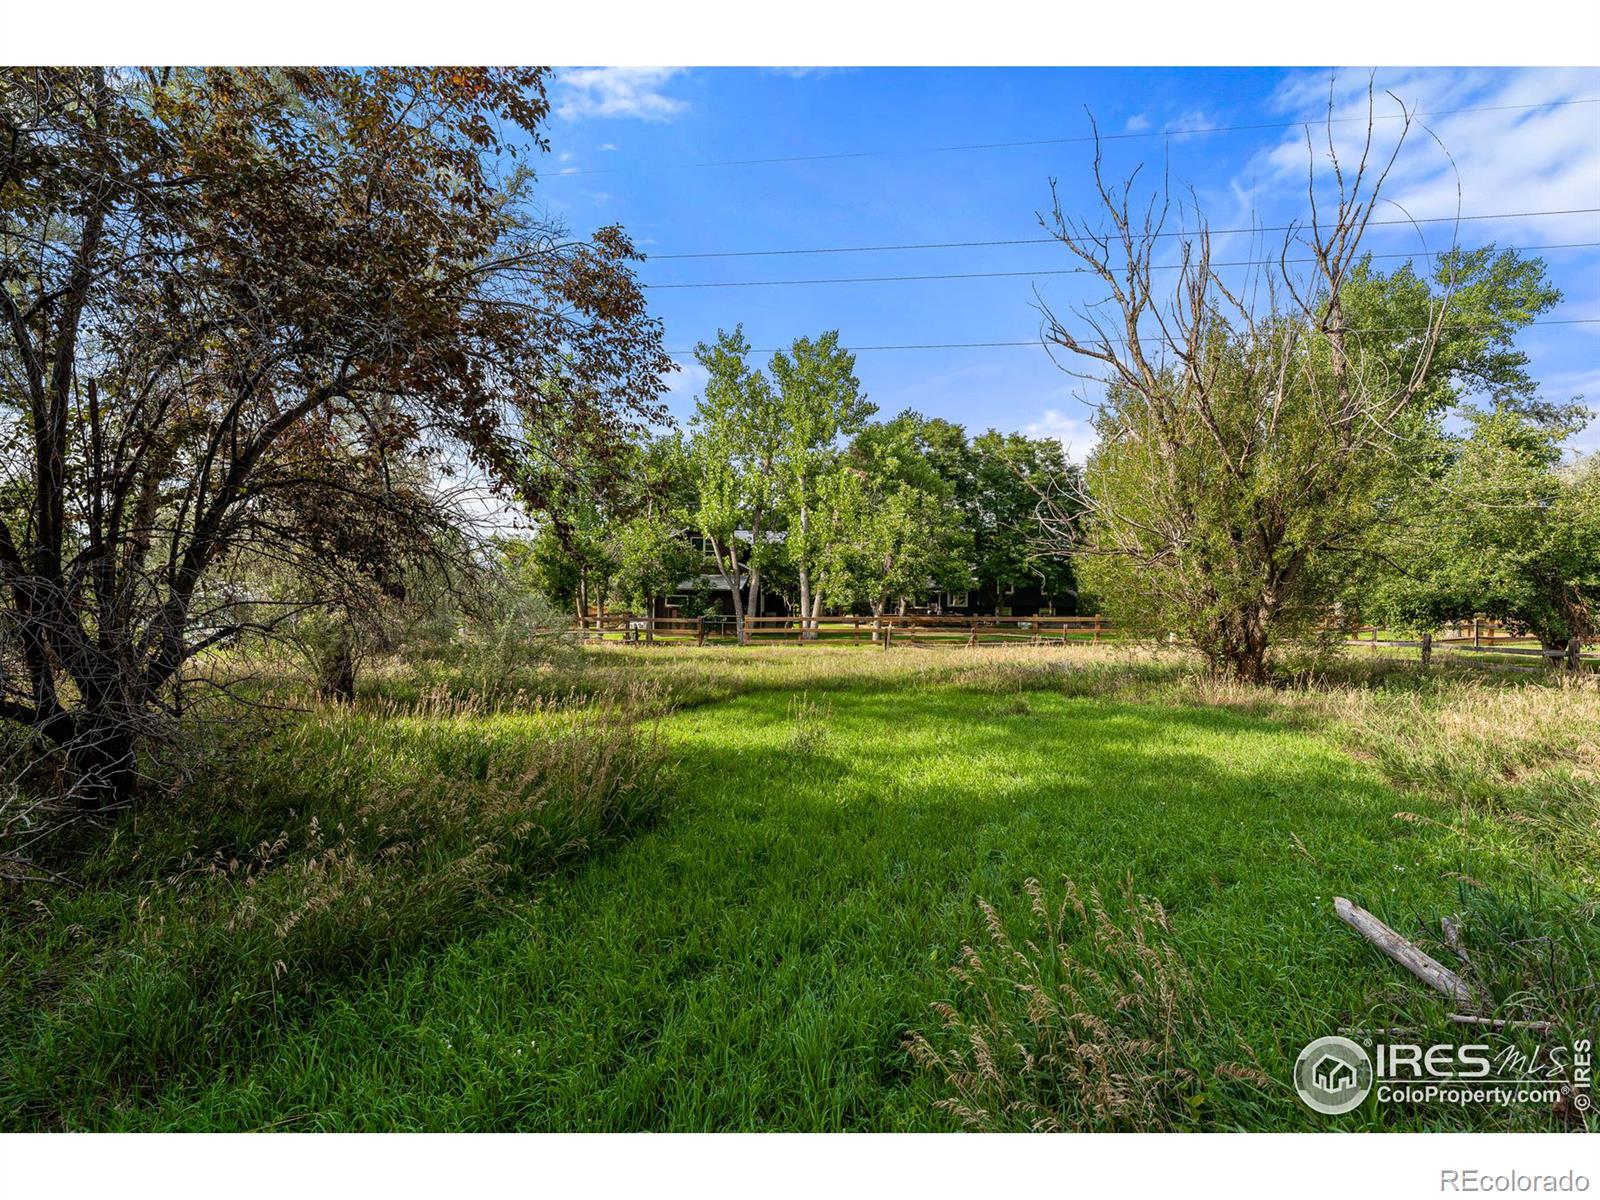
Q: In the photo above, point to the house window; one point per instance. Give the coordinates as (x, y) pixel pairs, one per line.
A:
(957, 599)
(1011, 589)
(1004, 610)
(677, 601)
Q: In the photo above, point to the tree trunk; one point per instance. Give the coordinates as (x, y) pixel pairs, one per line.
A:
(338, 674)
(101, 759)
(805, 576)
(729, 570)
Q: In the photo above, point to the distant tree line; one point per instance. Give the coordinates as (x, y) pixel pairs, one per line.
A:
(795, 491)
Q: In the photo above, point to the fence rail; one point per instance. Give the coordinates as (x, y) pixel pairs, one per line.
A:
(1482, 637)
(1474, 637)
(882, 631)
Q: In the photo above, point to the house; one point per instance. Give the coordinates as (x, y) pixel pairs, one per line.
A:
(990, 599)
(1334, 1075)
(711, 587)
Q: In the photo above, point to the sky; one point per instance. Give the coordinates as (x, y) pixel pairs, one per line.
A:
(876, 167)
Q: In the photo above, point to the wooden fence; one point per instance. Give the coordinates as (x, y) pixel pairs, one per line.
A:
(1473, 637)
(913, 629)
(1483, 637)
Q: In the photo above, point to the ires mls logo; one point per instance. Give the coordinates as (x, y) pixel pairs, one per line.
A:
(1333, 1075)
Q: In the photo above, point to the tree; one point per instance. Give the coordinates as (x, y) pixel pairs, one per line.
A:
(232, 300)
(1247, 422)
(653, 557)
(1510, 533)
(737, 434)
(1010, 475)
(819, 401)
(890, 527)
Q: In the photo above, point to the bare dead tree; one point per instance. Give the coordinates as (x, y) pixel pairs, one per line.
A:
(1242, 424)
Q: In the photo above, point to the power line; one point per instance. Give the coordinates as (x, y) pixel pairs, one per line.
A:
(1549, 212)
(1104, 137)
(1036, 342)
(1262, 262)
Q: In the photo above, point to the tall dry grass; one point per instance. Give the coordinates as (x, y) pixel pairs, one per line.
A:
(1088, 1019)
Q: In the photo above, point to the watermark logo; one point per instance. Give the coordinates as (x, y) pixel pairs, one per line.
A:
(1333, 1075)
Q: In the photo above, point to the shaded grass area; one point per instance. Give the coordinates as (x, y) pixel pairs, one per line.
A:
(757, 959)
(498, 933)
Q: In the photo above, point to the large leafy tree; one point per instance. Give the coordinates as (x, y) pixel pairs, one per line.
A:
(819, 402)
(737, 438)
(1011, 475)
(1510, 533)
(892, 528)
(231, 300)
(653, 556)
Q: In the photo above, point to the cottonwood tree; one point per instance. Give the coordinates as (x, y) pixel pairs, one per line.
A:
(1247, 424)
(231, 301)
(653, 556)
(737, 434)
(819, 401)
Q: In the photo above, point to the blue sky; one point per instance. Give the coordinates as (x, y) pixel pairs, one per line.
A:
(623, 141)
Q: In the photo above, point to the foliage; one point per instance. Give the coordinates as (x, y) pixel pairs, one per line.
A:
(737, 436)
(1510, 533)
(1258, 434)
(240, 305)
(820, 401)
(889, 527)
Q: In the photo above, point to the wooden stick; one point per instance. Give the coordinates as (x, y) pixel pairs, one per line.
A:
(1495, 1023)
(1432, 972)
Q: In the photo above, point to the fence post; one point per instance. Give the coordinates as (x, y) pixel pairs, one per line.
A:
(1476, 637)
(1574, 649)
(700, 631)
(1427, 648)
(1096, 629)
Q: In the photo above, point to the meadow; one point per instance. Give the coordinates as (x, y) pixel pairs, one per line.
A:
(808, 888)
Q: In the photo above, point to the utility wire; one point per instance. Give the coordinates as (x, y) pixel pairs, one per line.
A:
(1104, 137)
(1549, 212)
(1260, 262)
(1036, 342)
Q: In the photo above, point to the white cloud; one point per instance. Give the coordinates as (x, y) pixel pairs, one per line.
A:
(1077, 437)
(1137, 123)
(1510, 160)
(685, 383)
(606, 146)
(618, 92)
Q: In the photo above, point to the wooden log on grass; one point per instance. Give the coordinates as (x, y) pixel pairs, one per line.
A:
(1497, 1023)
(1426, 968)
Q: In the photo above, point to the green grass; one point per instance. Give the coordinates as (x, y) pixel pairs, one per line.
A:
(755, 958)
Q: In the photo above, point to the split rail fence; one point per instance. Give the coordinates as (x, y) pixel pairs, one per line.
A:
(878, 631)
(1482, 637)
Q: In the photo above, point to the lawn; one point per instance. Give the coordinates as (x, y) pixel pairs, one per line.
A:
(754, 956)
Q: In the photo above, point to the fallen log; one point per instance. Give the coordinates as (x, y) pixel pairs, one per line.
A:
(1426, 968)
(1497, 1023)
